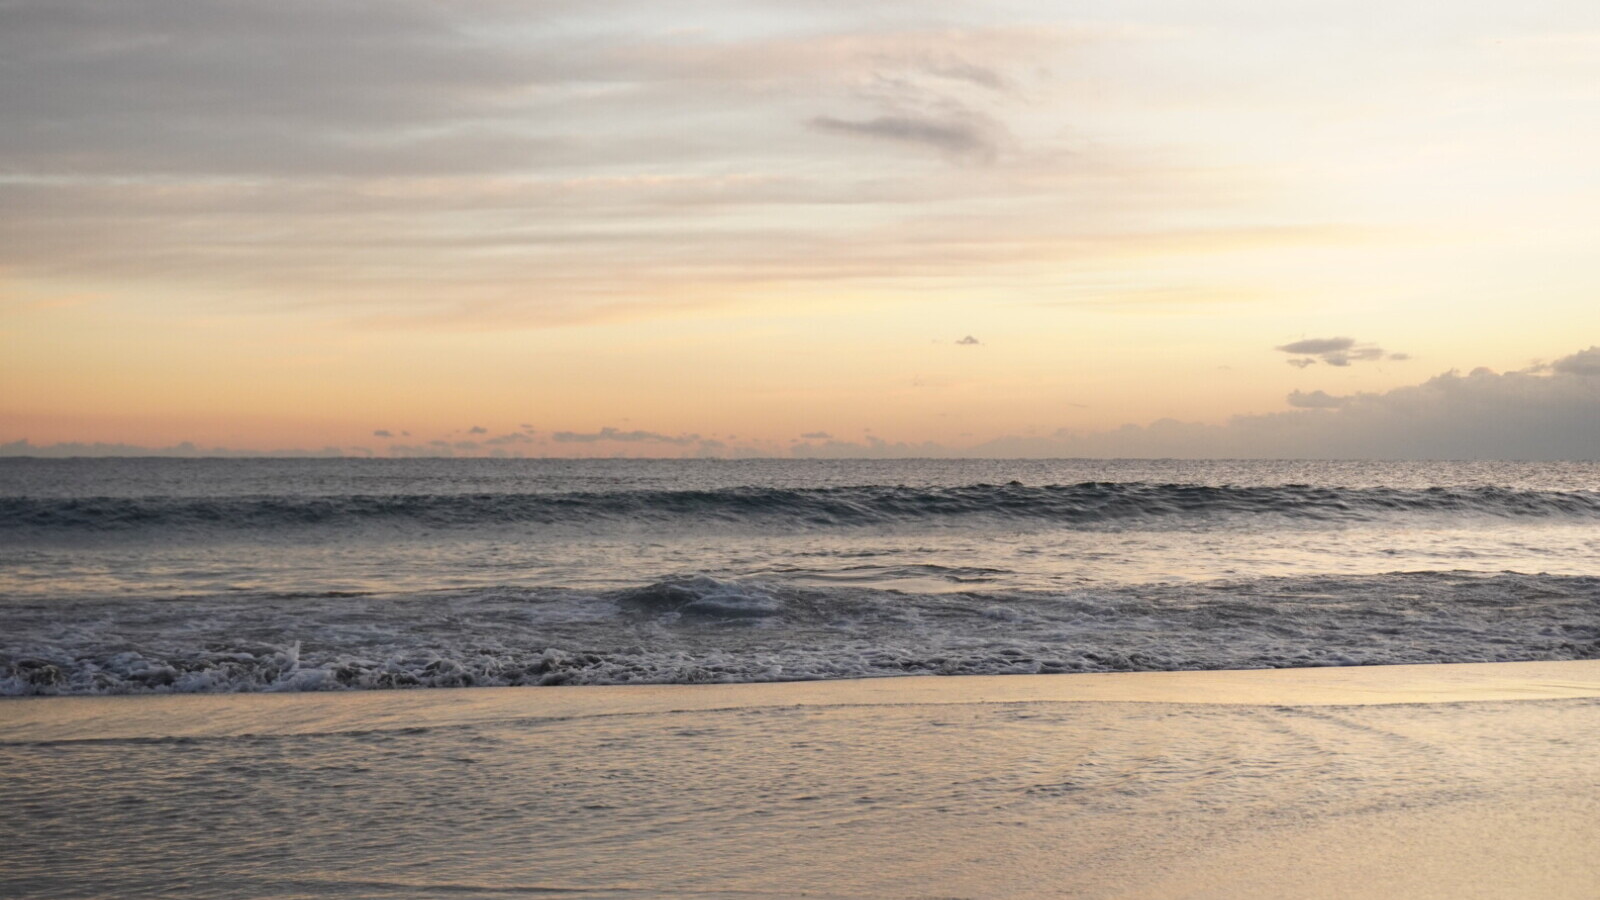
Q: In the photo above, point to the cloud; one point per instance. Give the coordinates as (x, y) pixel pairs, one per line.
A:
(185, 449)
(414, 87)
(1543, 413)
(382, 432)
(613, 434)
(1335, 351)
(1316, 400)
(966, 137)
(1584, 363)
(968, 341)
(477, 429)
(1319, 345)
(1359, 353)
(1482, 415)
(418, 164)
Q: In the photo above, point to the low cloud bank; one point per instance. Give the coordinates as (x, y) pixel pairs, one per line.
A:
(1546, 412)
(613, 434)
(187, 449)
(1542, 413)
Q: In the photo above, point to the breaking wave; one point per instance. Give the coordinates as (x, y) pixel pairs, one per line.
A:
(1086, 505)
(695, 629)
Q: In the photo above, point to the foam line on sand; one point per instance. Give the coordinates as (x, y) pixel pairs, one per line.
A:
(108, 718)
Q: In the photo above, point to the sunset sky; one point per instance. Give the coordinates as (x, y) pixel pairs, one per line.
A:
(757, 228)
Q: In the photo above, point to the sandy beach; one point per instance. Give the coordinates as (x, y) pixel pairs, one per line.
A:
(1417, 781)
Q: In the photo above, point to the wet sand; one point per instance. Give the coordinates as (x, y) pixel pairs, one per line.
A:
(1447, 781)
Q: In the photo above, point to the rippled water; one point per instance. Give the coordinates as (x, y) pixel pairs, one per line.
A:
(890, 800)
(228, 575)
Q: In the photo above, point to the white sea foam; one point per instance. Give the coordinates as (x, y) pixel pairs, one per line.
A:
(701, 629)
(249, 575)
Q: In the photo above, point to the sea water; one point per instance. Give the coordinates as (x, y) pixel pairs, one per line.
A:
(829, 791)
(226, 575)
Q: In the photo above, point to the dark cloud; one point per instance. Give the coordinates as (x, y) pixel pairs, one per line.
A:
(477, 429)
(1335, 351)
(515, 437)
(817, 436)
(965, 137)
(969, 341)
(382, 432)
(613, 434)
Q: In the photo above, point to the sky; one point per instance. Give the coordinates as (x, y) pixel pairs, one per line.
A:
(944, 228)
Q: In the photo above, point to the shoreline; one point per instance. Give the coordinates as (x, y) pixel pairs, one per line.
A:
(147, 716)
(1437, 781)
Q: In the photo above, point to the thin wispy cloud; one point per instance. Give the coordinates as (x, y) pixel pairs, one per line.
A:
(414, 166)
(962, 138)
(437, 209)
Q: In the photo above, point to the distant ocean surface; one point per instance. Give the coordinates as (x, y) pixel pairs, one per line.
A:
(175, 575)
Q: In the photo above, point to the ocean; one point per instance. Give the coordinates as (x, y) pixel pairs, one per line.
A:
(243, 575)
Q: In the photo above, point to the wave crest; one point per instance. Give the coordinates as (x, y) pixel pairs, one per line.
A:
(1086, 505)
(694, 629)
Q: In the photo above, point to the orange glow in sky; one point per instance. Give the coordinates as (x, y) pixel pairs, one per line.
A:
(602, 230)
